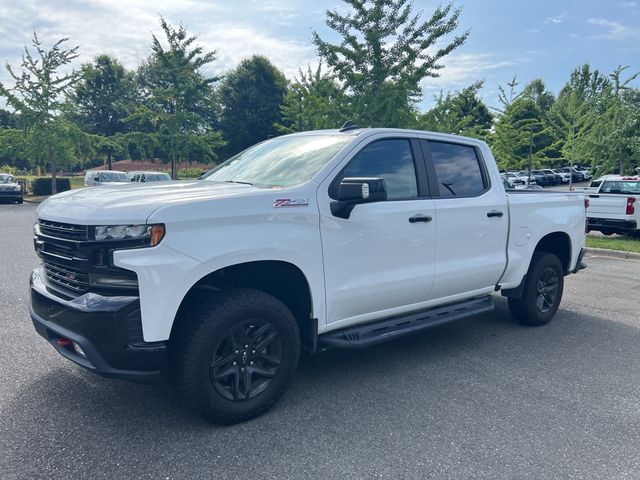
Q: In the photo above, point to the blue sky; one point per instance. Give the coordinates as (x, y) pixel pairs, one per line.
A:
(544, 39)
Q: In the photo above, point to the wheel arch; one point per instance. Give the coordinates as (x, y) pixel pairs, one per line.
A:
(281, 279)
(558, 244)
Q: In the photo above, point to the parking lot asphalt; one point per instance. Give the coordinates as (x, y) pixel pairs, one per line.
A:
(481, 398)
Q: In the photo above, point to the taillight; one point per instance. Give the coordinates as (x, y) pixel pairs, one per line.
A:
(586, 203)
(631, 209)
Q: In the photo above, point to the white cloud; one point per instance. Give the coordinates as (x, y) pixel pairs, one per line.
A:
(123, 28)
(237, 41)
(628, 4)
(557, 18)
(464, 68)
(614, 30)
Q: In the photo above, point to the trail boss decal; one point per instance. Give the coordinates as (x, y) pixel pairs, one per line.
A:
(290, 202)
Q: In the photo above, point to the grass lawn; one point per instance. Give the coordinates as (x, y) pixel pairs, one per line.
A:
(76, 182)
(624, 244)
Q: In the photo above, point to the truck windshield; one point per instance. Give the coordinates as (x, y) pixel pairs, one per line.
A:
(280, 162)
(621, 186)
(6, 179)
(113, 177)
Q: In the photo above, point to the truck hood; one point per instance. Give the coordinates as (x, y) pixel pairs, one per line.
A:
(130, 203)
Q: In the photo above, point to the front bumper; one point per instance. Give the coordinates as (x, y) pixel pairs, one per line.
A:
(107, 329)
(613, 225)
(10, 195)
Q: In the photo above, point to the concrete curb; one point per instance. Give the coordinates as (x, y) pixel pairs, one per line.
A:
(605, 252)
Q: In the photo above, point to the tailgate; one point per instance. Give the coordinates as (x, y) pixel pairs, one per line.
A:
(607, 206)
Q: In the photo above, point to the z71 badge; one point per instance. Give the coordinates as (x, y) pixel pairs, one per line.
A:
(290, 202)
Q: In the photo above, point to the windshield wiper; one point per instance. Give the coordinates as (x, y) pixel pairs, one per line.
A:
(236, 181)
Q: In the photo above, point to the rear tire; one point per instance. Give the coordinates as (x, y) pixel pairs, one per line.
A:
(234, 353)
(542, 291)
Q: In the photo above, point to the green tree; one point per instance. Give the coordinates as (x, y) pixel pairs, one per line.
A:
(385, 52)
(461, 113)
(7, 119)
(176, 98)
(521, 134)
(618, 133)
(37, 96)
(313, 101)
(575, 113)
(251, 97)
(101, 102)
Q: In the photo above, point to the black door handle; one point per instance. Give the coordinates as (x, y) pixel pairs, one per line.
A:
(494, 213)
(420, 218)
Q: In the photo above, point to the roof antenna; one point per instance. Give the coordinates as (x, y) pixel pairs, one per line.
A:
(349, 125)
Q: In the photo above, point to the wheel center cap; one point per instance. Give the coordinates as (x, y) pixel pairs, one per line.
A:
(245, 357)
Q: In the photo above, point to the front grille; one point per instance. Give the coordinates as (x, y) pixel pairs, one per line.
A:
(67, 277)
(72, 258)
(65, 231)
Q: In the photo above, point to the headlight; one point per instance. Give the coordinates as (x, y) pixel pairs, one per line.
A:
(17, 188)
(155, 233)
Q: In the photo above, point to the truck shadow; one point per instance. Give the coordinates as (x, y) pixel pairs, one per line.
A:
(487, 358)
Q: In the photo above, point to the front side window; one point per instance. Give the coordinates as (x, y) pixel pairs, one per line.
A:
(390, 160)
(457, 169)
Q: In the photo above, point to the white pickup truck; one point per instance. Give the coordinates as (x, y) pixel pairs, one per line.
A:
(614, 205)
(337, 238)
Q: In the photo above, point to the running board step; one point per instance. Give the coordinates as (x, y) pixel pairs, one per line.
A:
(368, 334)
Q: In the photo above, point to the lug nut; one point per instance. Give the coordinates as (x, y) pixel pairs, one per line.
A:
(242, 369)
(250, 363)
(246, 346)
(234, 363)
(253, 352)
(237, 352)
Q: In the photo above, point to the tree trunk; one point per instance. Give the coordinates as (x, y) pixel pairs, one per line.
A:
(174, 167)
(52, 163)
(109, 164)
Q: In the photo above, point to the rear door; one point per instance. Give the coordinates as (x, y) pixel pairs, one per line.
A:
(472, 220)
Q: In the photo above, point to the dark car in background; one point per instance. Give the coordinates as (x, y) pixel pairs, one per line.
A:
(10, 189)
(548, 179)
(537, 177)
(575, 175)
(557, 176)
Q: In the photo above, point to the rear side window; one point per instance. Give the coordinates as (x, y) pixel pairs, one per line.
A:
(391, 160)
(627, 187)
(457, 169)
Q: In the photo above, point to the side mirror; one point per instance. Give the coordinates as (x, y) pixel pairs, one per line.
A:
(356, 190)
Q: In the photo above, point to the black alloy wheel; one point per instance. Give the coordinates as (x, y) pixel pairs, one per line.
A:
(246, 360)
(547, 290)
(542, 291)
(233, 353)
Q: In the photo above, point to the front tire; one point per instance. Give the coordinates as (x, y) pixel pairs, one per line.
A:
(234, 354)
(542, 291)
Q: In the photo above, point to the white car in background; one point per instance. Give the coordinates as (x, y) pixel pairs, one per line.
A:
(143, 177)
(104, 177)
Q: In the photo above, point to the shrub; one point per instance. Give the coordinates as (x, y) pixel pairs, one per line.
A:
(42, 186)
(190, 172)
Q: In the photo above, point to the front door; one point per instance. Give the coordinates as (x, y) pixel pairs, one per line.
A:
(379, 262)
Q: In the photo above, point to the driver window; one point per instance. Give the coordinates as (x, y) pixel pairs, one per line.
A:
(391, 160)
